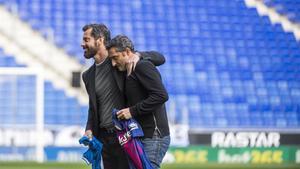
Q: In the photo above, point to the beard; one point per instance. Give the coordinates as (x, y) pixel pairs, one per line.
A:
(121, 68)
(90, 52)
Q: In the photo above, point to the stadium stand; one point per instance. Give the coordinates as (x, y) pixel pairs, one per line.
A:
(226, 65)
(289, 8)
(17, 101)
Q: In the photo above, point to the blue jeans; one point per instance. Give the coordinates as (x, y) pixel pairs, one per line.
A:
(156, 148)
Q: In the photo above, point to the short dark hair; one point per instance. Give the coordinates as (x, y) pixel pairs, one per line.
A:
(99, 30)
(121, 42)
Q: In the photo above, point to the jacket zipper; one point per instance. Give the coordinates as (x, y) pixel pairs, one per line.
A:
(155, 123)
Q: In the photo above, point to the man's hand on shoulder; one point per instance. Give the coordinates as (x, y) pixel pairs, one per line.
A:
(131, 63)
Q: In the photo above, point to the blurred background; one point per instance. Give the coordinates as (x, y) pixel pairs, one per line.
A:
(232, 72)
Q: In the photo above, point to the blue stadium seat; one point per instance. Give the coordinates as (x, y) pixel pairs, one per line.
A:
(18, 104)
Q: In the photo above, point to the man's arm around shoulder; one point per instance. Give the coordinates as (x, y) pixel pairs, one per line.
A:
(155, 57)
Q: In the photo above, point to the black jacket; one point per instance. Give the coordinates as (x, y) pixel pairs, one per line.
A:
(146, 95)
(89, 80)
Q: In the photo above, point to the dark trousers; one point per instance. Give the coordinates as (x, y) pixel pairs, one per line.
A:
(112, 153)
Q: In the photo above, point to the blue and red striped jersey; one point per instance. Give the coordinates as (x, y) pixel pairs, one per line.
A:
(128, 132)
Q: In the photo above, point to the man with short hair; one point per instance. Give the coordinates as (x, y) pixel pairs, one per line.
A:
(104, 85)
(146, 97)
